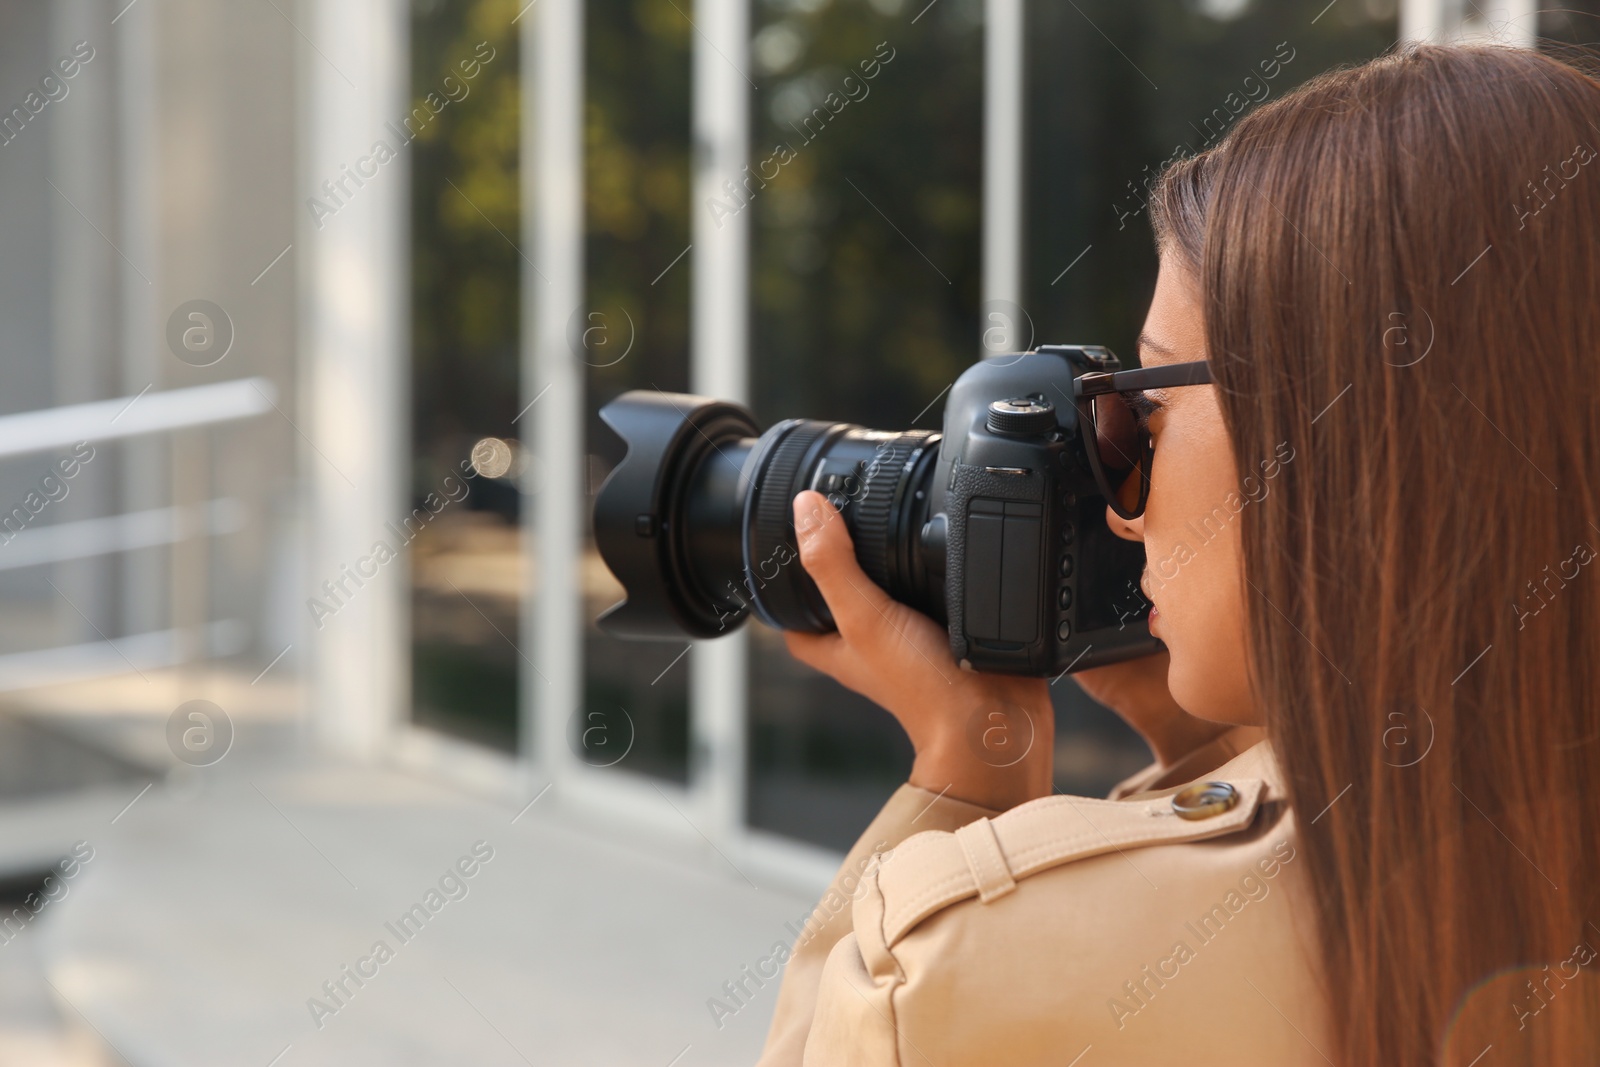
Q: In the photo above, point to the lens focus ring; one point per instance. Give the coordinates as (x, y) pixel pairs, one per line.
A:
(875, 510)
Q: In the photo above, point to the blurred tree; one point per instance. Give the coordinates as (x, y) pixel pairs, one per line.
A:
(465, 218)
(1114, 92)
(634, 324)
(465, 325)
(636, 186)
(1573, 22)
(865, 250)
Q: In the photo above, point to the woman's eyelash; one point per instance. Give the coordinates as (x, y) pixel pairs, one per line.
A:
(1143, 407)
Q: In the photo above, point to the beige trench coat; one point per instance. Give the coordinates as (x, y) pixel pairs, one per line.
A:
(1067, 931)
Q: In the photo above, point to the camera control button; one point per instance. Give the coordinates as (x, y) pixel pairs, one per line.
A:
(1066, 566)
(934, 533)
(1063, 630)
(1065, 598)
(1203, 800)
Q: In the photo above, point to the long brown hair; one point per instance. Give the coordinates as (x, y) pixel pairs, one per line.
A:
(1400, 269)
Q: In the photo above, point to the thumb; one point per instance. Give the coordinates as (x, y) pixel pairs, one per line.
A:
(825, 546)
(829, 557)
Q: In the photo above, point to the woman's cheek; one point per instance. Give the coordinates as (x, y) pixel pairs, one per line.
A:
(1209, 677)
(1192, 542)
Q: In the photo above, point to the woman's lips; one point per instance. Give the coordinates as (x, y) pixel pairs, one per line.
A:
(1144, 590)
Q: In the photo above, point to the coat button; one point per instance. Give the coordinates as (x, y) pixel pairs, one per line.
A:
(1204, 800)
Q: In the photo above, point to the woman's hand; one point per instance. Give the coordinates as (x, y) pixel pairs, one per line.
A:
(988, 739)
(1136, 689)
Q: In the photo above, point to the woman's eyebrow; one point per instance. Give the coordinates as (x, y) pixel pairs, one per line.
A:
(1146, 342)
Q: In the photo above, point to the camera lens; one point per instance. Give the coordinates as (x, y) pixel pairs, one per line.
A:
(872, 478)
(696, 521)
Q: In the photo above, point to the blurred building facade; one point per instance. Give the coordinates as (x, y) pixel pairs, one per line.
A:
(427, 241)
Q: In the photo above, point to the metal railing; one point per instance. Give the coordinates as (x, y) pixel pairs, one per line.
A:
(192, 524)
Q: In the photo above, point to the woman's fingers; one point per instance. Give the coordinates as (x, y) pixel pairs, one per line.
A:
(829, 654)
(892, 654)
(900, 659)
(859, 606)
(821, 651)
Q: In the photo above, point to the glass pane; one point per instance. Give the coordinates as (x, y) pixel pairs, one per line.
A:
(866, 269)
(1571, 22)
(633, 333)
(865, 299)
(1098, 129)
(463, 534)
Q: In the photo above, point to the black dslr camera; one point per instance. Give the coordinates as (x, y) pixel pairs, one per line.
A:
(996, 527)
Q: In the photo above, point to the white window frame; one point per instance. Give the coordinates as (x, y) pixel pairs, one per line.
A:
(1510, 22)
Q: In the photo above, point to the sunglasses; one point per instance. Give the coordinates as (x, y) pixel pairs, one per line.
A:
(1118, 443)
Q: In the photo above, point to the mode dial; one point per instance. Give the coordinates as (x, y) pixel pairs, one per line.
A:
(1022, 416)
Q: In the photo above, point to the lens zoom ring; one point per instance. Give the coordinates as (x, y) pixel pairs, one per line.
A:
(876, 505)
(775, 491)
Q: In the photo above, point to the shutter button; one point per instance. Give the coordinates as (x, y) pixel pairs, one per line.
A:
(1204, 800)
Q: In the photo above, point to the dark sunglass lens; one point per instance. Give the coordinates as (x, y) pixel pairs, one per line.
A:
(1117, 434)
(1130, 492)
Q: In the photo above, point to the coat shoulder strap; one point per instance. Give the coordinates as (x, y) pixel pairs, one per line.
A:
(987, 858)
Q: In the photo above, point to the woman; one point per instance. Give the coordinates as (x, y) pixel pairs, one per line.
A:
(1394, 278)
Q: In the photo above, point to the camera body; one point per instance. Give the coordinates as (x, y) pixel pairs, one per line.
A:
(995, 527)
(1035, 582)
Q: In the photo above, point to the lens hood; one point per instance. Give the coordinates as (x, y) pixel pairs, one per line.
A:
(643, 519)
